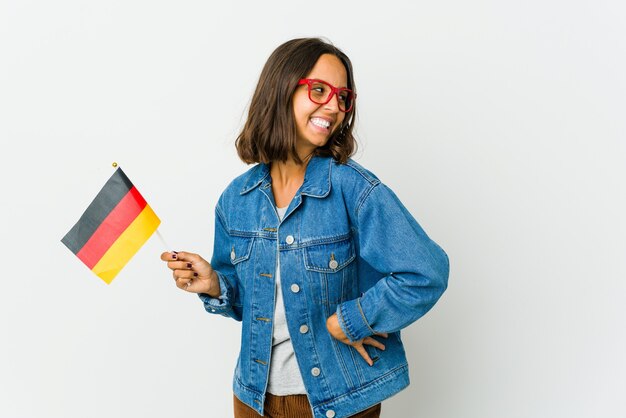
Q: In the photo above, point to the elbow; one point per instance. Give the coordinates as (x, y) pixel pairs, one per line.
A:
(444, 272)
(440, 274)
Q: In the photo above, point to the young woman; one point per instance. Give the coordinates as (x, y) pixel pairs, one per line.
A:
(318, 259)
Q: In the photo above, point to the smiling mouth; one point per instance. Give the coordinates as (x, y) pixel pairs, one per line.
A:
(320, 122)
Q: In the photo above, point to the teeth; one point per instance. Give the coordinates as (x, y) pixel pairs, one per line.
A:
(320, 122)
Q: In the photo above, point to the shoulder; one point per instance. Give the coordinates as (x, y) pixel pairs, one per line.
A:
(354, 171)
(354, 182)
(353, 176)
(240, 183)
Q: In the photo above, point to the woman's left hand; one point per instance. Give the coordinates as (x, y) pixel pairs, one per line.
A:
(332, 324)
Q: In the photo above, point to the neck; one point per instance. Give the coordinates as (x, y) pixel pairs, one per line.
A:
(288, 172)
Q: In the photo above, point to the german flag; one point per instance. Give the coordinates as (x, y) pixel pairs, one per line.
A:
(113, 228)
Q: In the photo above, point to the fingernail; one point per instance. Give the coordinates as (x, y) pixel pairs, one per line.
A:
(188, 265)
(195, 274)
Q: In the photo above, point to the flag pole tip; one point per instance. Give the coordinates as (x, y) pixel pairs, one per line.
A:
(114, 164)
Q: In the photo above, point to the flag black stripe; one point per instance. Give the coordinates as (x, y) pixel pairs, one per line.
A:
(109, 196)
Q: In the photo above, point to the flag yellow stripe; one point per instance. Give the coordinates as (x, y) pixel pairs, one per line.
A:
(126, 245)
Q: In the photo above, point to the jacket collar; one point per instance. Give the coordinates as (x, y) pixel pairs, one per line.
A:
(316, 178)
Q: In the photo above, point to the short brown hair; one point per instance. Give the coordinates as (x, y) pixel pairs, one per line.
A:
(269, 133)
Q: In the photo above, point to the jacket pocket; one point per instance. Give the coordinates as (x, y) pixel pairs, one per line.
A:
(331, 271)
(240, 249)
(240, 252)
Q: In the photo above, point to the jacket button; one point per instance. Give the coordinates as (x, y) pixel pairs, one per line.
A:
(304, 329)
(295, 288)
(289, 239)
(333, 264)
(330, 413)
(232, 255)
(315, 371)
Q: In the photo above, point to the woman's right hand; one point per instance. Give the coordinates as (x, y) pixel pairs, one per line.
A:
(192, 273)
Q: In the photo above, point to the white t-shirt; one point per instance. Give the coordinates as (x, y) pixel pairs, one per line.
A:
(285, 377)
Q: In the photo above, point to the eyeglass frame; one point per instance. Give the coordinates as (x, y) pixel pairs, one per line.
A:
(334, 91)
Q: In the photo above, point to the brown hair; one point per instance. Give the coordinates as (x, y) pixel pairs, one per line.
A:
(269, 133)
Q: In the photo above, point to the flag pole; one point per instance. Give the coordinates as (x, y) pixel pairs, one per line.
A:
(167, 247)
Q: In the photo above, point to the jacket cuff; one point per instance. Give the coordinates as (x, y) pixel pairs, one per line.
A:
(352, 320)
(221, 304)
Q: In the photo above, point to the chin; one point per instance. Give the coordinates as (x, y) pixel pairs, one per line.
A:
(316, 143)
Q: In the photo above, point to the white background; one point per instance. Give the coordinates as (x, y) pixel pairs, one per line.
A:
(499, 124)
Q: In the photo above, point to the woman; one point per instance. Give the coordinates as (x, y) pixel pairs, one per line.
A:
(320, 261)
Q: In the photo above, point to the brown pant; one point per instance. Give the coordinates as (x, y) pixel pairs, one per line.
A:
(292, 406)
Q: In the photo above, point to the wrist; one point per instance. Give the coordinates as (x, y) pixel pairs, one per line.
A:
(334, 329)
(214, 286)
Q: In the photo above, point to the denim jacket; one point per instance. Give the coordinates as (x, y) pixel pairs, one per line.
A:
(346, 245)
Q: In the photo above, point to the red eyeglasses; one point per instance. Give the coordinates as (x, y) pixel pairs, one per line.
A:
(321, 92)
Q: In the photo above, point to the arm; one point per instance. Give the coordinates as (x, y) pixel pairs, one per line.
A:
(228, 302)
(414, 268)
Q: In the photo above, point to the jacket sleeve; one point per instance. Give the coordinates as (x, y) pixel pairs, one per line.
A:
(414, 269)
(228, 303)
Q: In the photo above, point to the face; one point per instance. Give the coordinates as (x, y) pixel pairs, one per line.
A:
(315, 123)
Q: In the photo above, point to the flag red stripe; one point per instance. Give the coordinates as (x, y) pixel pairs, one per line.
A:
(108, 197)
(112, 227)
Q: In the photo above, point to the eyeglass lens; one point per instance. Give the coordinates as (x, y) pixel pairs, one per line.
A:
(320, 92)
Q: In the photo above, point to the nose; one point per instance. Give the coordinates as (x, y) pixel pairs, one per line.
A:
(333, 103)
